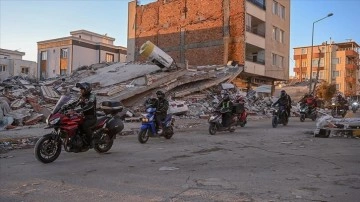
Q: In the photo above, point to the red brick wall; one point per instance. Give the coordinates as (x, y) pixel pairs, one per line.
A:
(202, 20)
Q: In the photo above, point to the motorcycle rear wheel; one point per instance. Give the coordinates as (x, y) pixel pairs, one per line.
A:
(143, 136)
(169, 132)
(104, 144)
(212, 129)
(302, 117)
(47, 149)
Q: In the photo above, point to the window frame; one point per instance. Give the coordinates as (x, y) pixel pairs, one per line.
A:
(64, 52)
(43, 55)
(112, 57)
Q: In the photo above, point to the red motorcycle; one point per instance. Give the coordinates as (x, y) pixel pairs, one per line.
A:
(65, 123)
(239, 111)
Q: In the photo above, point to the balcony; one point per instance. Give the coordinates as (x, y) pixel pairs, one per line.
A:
(350, 79)
(259, 3)
(299, 57)
(351, 54)
(350, 92)
(318, 55)
(255, 68)
(298, 69)
(316, 68)
(351, 66)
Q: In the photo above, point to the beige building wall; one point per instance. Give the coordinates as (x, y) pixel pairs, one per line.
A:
(275, 47)
(15, 65)
(131, 31)
(84, 49)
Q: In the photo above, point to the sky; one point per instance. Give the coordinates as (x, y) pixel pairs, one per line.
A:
(25, 22)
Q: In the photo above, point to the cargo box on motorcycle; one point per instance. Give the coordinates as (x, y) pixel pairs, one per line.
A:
(111, 107)
(238, 108)
(115, 125)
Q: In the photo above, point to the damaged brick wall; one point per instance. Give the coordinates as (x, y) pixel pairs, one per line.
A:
(192, 30)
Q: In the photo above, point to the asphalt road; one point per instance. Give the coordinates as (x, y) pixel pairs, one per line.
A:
(255, 163)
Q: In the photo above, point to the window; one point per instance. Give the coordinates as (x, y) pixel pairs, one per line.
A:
(281, 39)
(64, 53)
(278, 34)
(274, 59)
(335, 74)
(315, 62)
(275, 7)
(282, 11)
(338, 86)
(278, 60)
(314, 75)
(109, 57)
(335, 60)
(43, 55)
(25, 70)
(303, 63)
(2, 68)
(303, 51)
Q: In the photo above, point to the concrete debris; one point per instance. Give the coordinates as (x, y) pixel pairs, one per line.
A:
(328, 126)
(193, 91)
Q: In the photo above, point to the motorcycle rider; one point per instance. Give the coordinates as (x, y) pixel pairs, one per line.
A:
(341, 101)
(309, 100)
(226, 106)
(284, 101)
(87, 102)
(161, 110)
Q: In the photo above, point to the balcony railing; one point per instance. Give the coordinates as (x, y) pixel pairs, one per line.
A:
(251, 59)
(254, 30)
(258, 3)
(350, 79)
(298, 57)
(351, 66)
(351, 53)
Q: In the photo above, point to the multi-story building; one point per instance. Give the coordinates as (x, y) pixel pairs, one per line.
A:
(254, 33)
(336, 63)
(63, 55)
(12, 64)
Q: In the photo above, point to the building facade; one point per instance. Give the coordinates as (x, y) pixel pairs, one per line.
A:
(12, 64)
(336, 63)
(64, 55)
(254, 33)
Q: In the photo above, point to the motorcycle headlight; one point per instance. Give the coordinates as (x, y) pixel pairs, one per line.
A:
(355, 103)
(54, 121)
(211, 118)
(333, 103)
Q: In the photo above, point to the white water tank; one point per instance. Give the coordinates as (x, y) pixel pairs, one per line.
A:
(157, 56)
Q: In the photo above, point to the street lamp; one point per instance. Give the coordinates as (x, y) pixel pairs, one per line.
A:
(312, 46)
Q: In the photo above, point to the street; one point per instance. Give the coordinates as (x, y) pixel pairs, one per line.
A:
(255, 163)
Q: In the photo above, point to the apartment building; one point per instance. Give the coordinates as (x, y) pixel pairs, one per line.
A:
(12, 64)
(336, 63)
(254, 33)
(62, 56)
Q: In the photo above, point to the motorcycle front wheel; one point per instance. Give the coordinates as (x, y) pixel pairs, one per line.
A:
(47, 149)
(212, 129)
(143, 136)
(104, 144)
(274, 122)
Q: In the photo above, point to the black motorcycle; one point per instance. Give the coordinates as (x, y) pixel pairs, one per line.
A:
(280, 116)
(215, 122)
(354, 106)
(338, 110)
(306, 112)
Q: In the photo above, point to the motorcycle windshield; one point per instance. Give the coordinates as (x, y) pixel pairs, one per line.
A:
(61, 102)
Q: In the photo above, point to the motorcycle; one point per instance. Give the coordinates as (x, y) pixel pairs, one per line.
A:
(279, 116)
(66, 133)
(215, 122)
(240, 112)
(148, 126)
(354, 106)
(305, 112)
(337, 110)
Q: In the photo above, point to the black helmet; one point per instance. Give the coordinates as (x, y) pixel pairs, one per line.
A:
(84, 85)
(226, 97)
(282, 93)
(160, 94)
